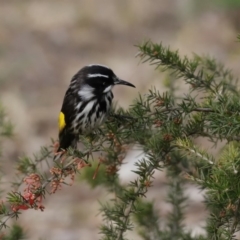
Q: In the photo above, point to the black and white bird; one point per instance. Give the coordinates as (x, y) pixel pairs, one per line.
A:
(86, 103)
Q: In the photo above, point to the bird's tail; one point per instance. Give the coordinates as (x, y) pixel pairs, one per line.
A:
(66, 140)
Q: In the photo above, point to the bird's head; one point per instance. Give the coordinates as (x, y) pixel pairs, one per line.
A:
(97, 80)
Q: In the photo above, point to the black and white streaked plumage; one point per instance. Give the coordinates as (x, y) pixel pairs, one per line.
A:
(86, 103)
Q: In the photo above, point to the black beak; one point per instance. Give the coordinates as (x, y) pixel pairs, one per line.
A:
(122, 82)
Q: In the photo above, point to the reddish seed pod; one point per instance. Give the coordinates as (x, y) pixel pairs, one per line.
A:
(167, 137)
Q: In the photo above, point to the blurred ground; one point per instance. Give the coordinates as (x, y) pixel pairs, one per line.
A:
(44, 43)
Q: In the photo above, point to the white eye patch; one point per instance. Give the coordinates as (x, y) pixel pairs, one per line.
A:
(107, 89)
(86, 92)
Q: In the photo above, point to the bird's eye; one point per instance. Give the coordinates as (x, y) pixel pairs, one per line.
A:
(103, 83)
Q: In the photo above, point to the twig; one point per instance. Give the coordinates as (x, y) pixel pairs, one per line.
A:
(236, 218)
(131, 204)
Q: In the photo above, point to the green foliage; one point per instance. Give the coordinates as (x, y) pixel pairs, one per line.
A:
(88, 175)
(15, 233)
(226, 5)
(217, 118)
(165, 128)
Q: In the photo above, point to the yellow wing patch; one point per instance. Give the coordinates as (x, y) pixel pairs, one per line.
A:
(61, 121)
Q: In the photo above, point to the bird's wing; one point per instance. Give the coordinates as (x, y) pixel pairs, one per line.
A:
(66, 115)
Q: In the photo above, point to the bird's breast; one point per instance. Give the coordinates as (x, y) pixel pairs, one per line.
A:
(91, 114)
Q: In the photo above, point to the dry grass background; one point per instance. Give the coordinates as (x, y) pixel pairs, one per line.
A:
(44, 43)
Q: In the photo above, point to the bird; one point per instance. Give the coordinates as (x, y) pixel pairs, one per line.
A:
(86, 103)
